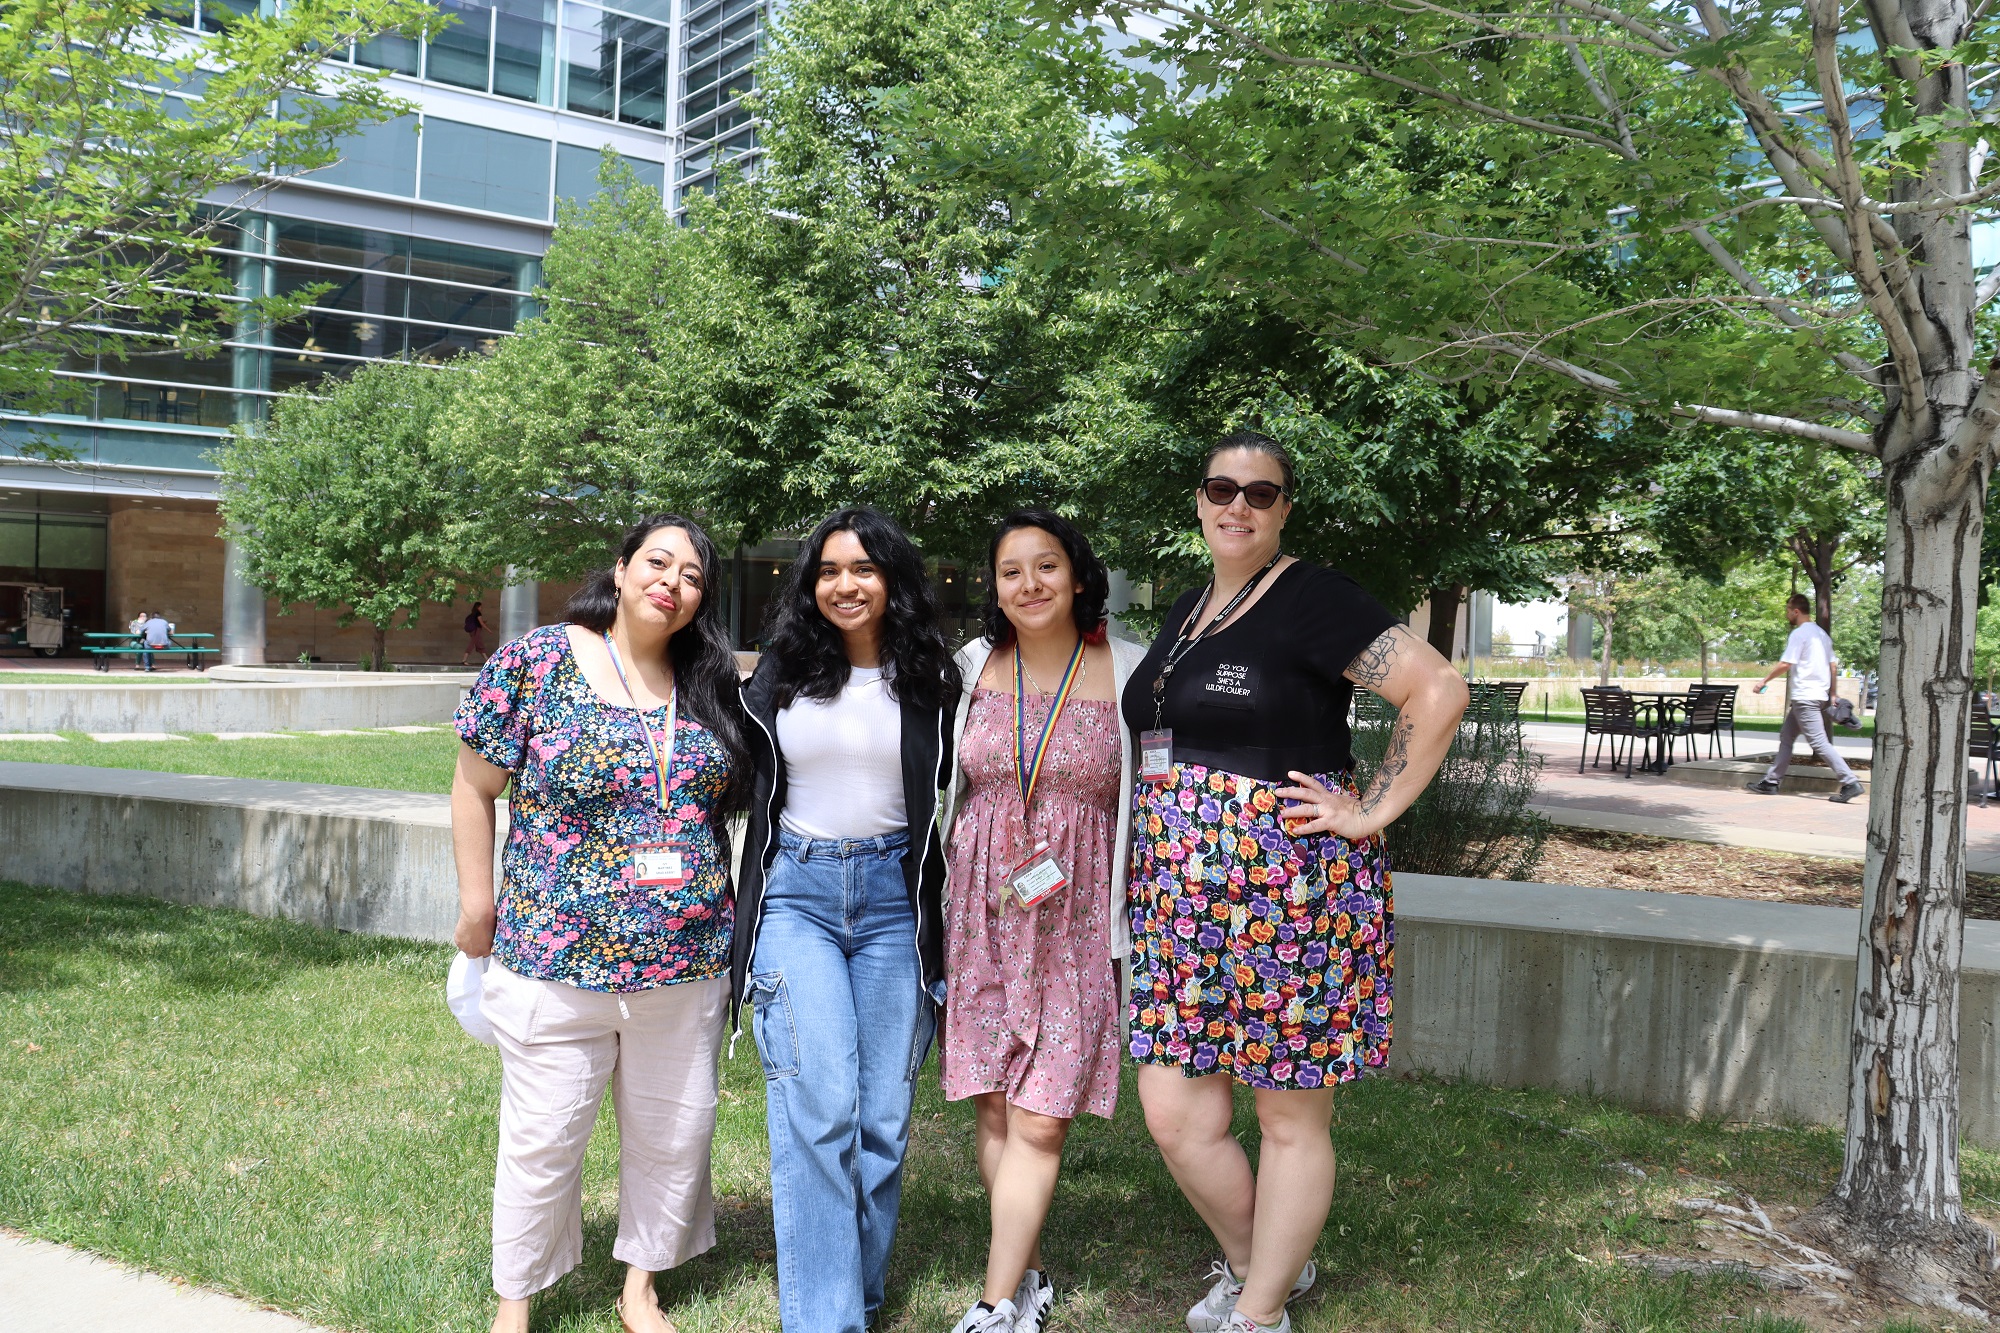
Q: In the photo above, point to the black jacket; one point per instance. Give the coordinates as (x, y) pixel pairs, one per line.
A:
(926, 770)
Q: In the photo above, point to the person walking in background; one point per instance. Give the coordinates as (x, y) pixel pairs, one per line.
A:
(1810, 666)
(155, 633)
(839, 920)
(1262, 924)
(622, 735)
(1035, 925)
(475, 636)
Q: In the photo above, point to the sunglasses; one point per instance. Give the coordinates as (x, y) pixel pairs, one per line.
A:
(1258, 494)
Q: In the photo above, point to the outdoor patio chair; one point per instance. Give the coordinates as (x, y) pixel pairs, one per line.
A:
(1701, 717)
(1984, 744)
(1612, 712)
(1725, 717)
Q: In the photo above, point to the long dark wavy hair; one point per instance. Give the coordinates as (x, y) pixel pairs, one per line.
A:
(810, 659)
(1088, 607)
(705, 675)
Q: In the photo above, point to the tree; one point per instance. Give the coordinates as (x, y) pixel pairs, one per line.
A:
(1422, 491)
(343, 499)
(871, 333)
(1723, 497)
(123, 132)
(1757, 218)
(574, 428)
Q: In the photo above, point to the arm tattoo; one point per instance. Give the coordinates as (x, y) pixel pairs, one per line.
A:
(1394, 761)
(1373, 666)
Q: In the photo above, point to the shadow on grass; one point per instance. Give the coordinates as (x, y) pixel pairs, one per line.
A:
(51, 939)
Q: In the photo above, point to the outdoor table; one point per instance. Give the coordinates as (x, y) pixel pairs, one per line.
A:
(1662, 705)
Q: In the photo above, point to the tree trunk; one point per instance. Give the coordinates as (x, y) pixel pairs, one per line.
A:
(1704, 661)
(380, 661)
(1816, 554)
(1897, 1207)
(1604, 660)
(1443, 631)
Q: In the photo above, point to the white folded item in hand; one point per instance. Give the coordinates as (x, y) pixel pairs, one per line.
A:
(461, 992)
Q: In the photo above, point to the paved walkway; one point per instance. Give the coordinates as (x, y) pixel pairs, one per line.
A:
(1808, 825)
(47, 1288)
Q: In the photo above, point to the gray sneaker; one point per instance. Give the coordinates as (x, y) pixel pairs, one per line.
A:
(1848, 791)
(984, 1318)
(1032, 1301)
(1762, 786)
(1213, 1313)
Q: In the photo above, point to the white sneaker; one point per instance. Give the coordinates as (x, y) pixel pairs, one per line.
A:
(1213, 1313)
(984, 1318)
(1243, 1323)
(1032, 1302)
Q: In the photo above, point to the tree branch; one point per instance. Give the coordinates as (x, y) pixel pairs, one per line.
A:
(1775, 425)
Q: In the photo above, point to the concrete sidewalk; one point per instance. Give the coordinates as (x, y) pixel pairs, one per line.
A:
(1806, 825)
(46, 1288)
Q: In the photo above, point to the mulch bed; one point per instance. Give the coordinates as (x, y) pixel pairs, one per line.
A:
(1670, 865)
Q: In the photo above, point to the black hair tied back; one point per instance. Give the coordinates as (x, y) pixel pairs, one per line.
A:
(705, 676)
(810, 659)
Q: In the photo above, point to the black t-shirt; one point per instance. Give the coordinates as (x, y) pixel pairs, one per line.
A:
(1266, 693)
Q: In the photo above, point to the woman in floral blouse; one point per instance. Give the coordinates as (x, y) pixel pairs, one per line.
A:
(621, 733)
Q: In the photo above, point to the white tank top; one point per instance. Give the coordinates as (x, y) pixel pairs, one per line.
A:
(844, 762)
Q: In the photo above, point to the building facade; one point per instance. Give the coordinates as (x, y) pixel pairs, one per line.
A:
(429, 234)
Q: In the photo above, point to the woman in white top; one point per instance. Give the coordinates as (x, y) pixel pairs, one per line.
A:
(838, 937)
(1035, 923)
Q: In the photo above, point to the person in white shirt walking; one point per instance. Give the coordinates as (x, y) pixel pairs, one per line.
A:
(1809, 662)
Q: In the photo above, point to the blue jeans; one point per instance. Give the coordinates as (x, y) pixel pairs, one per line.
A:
(842, 1022)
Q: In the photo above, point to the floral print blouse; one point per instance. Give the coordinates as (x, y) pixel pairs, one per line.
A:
(583, 793)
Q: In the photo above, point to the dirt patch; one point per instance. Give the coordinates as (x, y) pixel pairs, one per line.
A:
(1670, 865)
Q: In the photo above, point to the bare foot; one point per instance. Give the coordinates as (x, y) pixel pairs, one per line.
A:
(641, 1314)
(512, 1317)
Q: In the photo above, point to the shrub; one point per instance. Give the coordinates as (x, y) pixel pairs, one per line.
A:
(1473, 819)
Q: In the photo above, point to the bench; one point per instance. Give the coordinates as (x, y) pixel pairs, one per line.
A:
(101, 657)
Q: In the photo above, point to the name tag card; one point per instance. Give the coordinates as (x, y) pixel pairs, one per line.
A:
(1037, 879)
(1156, 755)
(658, 865)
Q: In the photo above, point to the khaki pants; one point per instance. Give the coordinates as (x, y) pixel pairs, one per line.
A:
(559, 1047)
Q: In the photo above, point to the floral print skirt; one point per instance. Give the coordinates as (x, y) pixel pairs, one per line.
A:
(1253, 952)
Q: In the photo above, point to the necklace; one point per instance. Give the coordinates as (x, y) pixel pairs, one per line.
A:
(1082, 670)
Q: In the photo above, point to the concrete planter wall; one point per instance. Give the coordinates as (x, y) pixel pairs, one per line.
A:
(1673, 1003)
(203, 707)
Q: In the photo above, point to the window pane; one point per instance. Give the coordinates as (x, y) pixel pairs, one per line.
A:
(703, 18)
(590, 59)
(72, 543)
(576, 172)
(17, 545)
(475, 167)
(381, 157)
(642, 75)
(391, 50)
(524, 57)
(458, 55)
(216, 13)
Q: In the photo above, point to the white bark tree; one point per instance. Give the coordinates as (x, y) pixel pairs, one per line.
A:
(1752, 214)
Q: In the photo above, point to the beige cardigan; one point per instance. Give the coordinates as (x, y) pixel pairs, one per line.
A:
(1125, 659)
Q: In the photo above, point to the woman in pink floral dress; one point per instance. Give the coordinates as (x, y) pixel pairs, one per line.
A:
(1035, 925)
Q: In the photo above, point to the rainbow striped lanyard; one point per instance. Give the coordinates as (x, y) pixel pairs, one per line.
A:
(1026, 771)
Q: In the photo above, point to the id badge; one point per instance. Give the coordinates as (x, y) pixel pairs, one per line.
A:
(658, 865)
(1156, 755)
(1037, 878)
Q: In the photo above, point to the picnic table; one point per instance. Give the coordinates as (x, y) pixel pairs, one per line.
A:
(106, 645)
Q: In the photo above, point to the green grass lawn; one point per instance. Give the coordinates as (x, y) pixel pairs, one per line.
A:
(290, 1114)
(1758, 724)
(391, 760)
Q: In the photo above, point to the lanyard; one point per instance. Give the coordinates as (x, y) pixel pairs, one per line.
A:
(1183, 645)
(1028, 771)
(661, 776)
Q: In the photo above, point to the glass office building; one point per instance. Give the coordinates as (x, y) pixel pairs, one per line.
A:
(428, 235)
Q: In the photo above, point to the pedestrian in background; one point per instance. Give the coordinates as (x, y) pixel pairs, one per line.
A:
(839, 925)
(1035, 927)
(622, 735)
(475, 636)
(1811, 670)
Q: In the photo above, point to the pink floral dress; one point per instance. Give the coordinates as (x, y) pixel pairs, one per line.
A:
(1031, 1006)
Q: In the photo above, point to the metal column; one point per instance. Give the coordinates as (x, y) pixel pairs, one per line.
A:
(520, 606)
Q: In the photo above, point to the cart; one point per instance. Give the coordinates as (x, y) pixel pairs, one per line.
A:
(32, 616)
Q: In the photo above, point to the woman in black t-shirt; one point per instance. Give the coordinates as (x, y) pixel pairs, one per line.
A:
(1262, 941)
